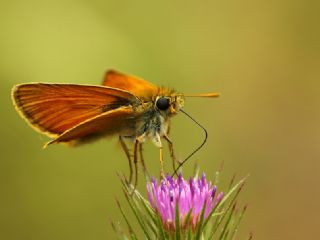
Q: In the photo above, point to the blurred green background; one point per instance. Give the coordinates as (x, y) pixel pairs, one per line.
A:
(264, 56)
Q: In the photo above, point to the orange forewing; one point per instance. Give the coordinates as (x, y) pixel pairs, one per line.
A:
(56, 108)
(134, 85)
(107, 123)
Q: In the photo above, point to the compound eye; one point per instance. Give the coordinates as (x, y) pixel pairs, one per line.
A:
(163, 103)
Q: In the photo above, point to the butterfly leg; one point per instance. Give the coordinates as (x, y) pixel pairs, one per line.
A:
(173, 157)
(135, 161)
(161, 163)
(126, 151)
(142, 161)
(158, 143)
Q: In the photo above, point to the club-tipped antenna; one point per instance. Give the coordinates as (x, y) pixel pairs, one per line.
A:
(197, 149)
(203, 95)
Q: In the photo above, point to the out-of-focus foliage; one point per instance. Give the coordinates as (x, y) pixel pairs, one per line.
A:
(263, 56)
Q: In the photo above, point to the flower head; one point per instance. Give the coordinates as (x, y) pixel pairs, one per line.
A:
(192, 195)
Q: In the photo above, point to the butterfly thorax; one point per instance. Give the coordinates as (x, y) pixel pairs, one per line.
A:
(155, 115)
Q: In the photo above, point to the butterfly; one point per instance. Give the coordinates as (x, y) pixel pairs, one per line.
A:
(124, 105)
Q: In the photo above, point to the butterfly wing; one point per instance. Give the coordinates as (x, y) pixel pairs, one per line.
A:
(106, 123)
(55, 108)
(134, 85)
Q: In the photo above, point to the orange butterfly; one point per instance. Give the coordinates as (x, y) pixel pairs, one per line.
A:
(127, 106)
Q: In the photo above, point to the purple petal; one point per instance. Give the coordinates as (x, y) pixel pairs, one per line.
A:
(192, 194)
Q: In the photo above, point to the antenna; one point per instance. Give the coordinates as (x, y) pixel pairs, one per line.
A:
(197, 149)
(210, 95)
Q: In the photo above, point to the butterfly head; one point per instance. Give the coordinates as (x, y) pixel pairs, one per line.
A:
(169, 105)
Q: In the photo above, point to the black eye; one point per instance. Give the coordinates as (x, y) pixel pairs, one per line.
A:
(163, 103)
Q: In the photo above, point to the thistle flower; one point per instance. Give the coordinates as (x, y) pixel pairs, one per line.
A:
(191, 197)
(178, 209)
